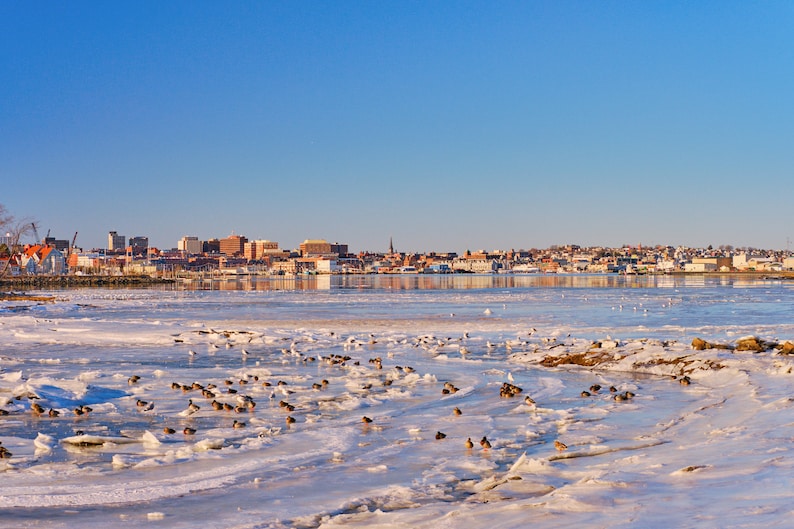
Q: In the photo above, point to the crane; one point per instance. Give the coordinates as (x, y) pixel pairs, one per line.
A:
(74, 241)
(35, 231)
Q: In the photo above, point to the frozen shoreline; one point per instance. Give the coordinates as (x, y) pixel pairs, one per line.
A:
(668, 441)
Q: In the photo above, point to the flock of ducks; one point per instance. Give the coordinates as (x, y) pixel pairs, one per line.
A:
(218, 396)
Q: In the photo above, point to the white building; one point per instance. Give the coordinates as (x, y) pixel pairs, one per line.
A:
(326, 266)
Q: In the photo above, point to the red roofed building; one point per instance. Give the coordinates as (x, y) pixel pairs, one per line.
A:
(39, 259)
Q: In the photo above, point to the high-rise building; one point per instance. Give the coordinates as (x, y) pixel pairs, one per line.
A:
(116, 241)
(212, 246)
(233, 245)
(256, 250)
(315, 247)
(339, 249)
(190, 245)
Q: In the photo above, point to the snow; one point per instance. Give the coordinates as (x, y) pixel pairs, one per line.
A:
(715, 451)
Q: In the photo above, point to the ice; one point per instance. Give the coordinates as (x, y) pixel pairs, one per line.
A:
(714, 451)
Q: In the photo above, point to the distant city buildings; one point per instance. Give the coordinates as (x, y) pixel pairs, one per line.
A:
(190, 245)
(236, 255)
(261, 249)
(233, 245)
(315, 248)
(116, 242)
(139, 245)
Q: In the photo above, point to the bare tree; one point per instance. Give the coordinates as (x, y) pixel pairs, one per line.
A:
(14, 230)
(6, 218)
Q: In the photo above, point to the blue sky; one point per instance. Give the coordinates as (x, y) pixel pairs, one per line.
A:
(447, 125)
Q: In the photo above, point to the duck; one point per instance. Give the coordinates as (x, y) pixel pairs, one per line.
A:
(189, 431)
(469, 444)
(366, 420)
(457, 411)
(36, 408)
(485, 443)
(560, 446)
(238, 424)
(168, 431)
(440, 435)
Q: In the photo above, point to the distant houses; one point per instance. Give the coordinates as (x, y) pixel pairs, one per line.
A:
(42, 260)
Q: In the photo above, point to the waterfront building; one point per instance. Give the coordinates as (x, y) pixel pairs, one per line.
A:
(41, 259)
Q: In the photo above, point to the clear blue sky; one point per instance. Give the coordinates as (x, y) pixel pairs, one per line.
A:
(447, 125)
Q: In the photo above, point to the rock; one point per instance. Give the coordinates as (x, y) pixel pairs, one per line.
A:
(698, 344)
(750, 343)
(786, 348)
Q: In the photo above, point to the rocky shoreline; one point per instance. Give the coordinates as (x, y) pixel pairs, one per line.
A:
(81, 281)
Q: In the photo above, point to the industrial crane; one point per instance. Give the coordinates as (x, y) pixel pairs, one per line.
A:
(74, 241)
(35, 231)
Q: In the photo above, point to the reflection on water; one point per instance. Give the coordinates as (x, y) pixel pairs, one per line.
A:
(468, 282)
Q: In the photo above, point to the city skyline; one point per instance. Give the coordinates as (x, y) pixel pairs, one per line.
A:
(446, 126)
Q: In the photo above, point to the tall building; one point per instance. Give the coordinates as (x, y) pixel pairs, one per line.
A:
(140, 245)
(116, 242)
(314, 247)
(339, 249)
(190, 245)
(212, 246)
(233, 245)
(256, 250)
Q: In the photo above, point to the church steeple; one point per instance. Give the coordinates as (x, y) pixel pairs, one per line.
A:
(391, 246)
